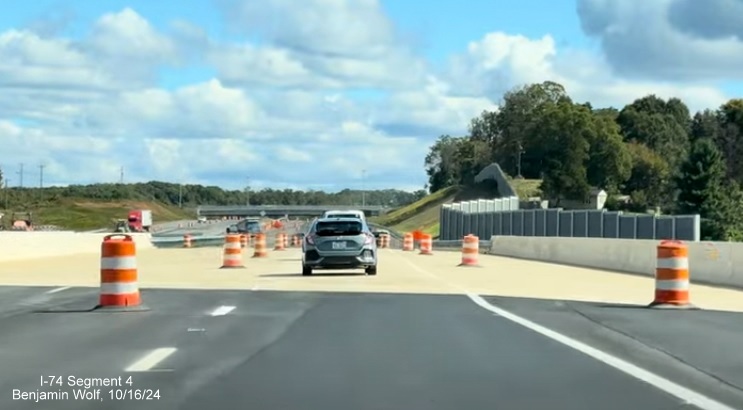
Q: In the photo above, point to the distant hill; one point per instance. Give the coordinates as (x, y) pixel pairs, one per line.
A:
(83, 207)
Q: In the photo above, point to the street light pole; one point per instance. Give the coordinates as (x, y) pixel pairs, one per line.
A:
(363, 187)
(180, 196)
(247, 192)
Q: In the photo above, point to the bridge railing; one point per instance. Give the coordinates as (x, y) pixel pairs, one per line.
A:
(273, 210)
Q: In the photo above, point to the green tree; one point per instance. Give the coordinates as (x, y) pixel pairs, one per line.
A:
(661, 125)
(609, 162)
(455, 161)
(701, 185)
(564, 131)
(730, 137)
(471, 157)
(706, 124)
(441, 163)
(650, 177)
(516, 138)
(611, 113)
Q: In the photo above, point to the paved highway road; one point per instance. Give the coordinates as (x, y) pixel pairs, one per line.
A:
(290, 350)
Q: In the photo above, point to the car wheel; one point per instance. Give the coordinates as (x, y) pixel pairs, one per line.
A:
(306, 271)
(371, 270)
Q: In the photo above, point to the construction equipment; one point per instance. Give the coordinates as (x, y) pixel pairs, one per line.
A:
(21, 221)
(122, 226)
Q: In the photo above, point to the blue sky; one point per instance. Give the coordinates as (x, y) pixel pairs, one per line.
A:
(311, 94)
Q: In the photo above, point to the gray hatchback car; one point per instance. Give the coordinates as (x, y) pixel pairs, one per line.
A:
(339, 243)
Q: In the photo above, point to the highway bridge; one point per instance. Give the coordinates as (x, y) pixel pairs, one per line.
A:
(212, 211)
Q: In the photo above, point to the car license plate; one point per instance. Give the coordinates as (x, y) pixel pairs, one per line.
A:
(339, 245)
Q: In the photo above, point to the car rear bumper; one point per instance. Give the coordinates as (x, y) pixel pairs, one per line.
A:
(333, 260)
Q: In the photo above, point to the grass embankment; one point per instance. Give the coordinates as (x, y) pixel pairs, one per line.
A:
(526, 188)
(81, 215)
(424, 214)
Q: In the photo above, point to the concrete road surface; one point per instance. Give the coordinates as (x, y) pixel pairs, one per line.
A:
(423, 334)
(287, 350)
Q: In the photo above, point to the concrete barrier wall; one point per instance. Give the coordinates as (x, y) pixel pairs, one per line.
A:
(34, 245)
(716, 263)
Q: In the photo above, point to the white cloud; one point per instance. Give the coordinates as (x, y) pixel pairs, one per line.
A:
(248, 65)
(688, 40)
(127, 37)
(331, 90)
(317, 44)
(499, 62)
(351, 28)
(435, 109)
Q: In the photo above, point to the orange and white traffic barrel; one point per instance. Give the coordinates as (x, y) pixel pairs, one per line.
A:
(119, 275)
(187, 241)
(407, 242)
(385, 240)
(243, 241)
(426, 245)
(296, 241)
(470, 250)
(279, 245)
(259, 246)
(232, 256)
(285, 238)
(672, 275)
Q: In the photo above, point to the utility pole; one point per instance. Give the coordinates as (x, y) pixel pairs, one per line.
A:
(180, 196)
(247, 192)
(41, 175)
(518, 165)
(363, 187)
(20, 176)
(121, 176)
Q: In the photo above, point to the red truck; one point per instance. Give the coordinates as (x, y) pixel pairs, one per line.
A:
(140, 220)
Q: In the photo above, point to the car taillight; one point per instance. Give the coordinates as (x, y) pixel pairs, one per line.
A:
(369, 239)
(310, 239)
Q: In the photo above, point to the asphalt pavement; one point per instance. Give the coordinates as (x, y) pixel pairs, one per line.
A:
(240, 349)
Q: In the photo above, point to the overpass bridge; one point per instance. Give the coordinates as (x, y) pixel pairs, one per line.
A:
(281, 210)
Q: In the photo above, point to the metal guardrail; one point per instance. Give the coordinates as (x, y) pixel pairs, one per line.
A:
(197, 240)
(176, 241)
(457, 245)
(395, 234)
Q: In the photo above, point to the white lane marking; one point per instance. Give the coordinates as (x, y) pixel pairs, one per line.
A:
(222, 310)
(151, 360)
(688, 396)
(56, 290)
(436, 277)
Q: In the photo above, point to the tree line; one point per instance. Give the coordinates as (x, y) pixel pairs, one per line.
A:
(190, 195)
(652, 150)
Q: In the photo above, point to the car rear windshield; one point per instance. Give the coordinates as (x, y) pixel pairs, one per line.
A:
(343, 216)
(338, 228)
